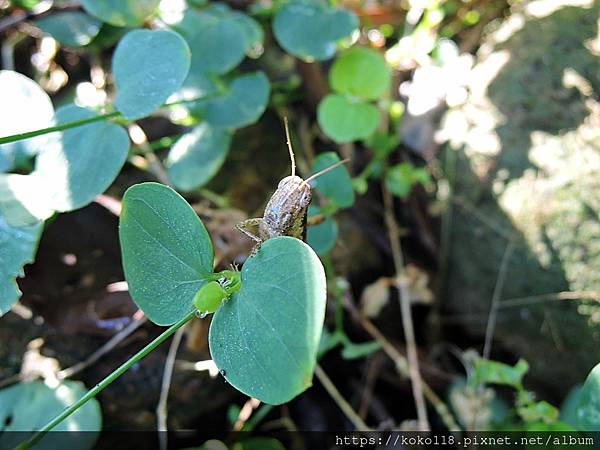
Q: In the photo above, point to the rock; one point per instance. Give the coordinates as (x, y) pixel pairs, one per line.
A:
(524, 163)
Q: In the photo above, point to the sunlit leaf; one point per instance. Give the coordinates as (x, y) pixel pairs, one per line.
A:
(73, 28)
(148, 67)
(310, 29)
(18, 245)
(361, 72)
(121, 13)
(24, 106)
(197, 156)
(81, 162)
(27, 407)
(344, 120)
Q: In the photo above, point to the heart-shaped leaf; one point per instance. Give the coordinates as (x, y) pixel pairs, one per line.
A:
(310, 29)
(27, 406)
(337, 184)
(121, 13)
(344, 120)
(81, 162)
(24, 107)
(73, 28)
(148, 67)
(588, 409)
(197, 156)
(167, 253)
(243, 103)
(264, 339)
(361, 72)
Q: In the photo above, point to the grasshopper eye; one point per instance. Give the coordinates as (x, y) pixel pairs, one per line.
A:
(305, 198)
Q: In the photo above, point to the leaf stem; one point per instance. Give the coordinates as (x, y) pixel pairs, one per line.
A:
(104, 383)
(60, 127)
(78, 123)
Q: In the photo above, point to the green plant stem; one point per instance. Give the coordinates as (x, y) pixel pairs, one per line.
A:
(62, 126)
(78, 123)
(104, 383)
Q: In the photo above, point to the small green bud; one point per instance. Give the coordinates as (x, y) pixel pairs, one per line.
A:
(209, 297)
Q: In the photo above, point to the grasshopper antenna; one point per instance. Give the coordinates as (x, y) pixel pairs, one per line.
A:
(327, 169)
(289, 144)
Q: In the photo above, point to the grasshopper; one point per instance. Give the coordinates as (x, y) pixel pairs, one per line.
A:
(286, 211)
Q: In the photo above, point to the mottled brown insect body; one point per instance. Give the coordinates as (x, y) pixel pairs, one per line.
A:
(286, 212)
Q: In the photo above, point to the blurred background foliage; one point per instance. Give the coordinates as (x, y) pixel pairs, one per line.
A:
(472, 124)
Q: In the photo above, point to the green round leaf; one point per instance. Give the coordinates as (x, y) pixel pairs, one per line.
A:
(344, 120)
(121, 13)
(148, 67)
(73, 28)
(588, 410)
(321, 237)
(362, 72)
(197, 156)
(310, 29)
(244, 102)
(264, 339)
(252, 29)
(81, 162)
(216, 38)
(337, 184)
(28, 406)
(24, 107)
(167, 253)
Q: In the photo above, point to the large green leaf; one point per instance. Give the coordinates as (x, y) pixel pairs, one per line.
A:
(337, 184)
(243, 103)
(197, 156)
(167, 253)
(28, 407)
(81, 162)
(588, 409)
(121, 13)
(24, 106)
(74, 28)
(264, 339)
(310, 29)
(344, 120)
(362, 72)
(148, 67)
